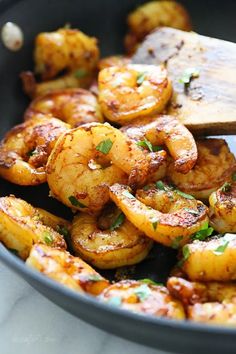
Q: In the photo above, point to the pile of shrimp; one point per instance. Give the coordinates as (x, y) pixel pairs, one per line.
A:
(96, 131)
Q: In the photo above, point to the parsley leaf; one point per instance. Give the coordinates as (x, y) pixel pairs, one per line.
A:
(176, 242)
(61, 229)
(226, 187)
(80, 73)
(204, 233)
(150, 281)
(154, 225)
(188, 75)
(140, 78)
(220, 250)
(75, 202)
(184, 195)
(186, 254)
(142, 292)
(118, 222)
(145, 144)
(104, 146)
(48, 238)
(31, 153)
(160, 185)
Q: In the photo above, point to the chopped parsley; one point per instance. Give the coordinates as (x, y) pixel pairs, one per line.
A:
(115, 301)
(104, 146)
(154, 225)
(184, 195)
(186, 254)
(188, 75)
(61, 229)
(220, 250)
(147, 144)
(150, 281)
(80, 73)
(160, 185)
(48, 238)
(176, 242)
(31, 153)
(226, 187)
(75, 202)
(142, 292)
(118, 222)
(140, 78)
(204, 233)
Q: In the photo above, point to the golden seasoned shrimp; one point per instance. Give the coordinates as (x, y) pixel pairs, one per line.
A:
(25, 149)
(119, 244)
(143, 298)
(166, 130)
(113, 60)
(22, 225)
(213, 260)
(70, 271)
(85, 162)
(223, 208)
(65, 50)
(74, 106)
(132, 91)
(34, 89)
(215, 165)
(152, 15)
(168, 217)
(213, 303)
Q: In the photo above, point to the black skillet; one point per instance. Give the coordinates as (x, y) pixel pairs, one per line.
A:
(106, 20)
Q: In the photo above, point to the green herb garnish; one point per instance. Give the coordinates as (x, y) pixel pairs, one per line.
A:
(31, 153)
(226, 187)
(150, 281)
(140, 78)
(104, 146)
(184, 195)
(188, 75)
(142, 292)
(75, 202)
(176, 242)
(118, 222)
(48, 238)
(80, 73)
(160, 185)
(204, 233)
(220, 250)
(145, 144)
(154, 225)
(61, 229)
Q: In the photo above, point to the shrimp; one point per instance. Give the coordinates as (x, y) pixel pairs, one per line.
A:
(166, 130)
(177, 217)
(215, 165)
(213, 303)
(65, 50)
(74, 106)
(152, 15)
(143, 298)
(113, 60)
(223, 208)
(69, 271)
(119, 244)
(132, 91)
(25, 149)
(85, 162)
(213, 260)
(22, 225)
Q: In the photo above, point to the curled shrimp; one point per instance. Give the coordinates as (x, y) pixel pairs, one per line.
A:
(152, 15)
(118, 244)
(143, 298)
(85, 162)
(25, 149)
(22, 225)
(166, 130)
(113, 60)
(164, 215)
(69, 271)
(64, 50)
(210, 302)
(215, 165)
(223, 208)
(133, 91)
(212, 260)
(74, 106)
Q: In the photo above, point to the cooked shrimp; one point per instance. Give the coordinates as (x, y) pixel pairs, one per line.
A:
(166, 130)
(132, 91)
(85, 162)
(177, 216)
(120, 244)
(25, 149)
(213, 260)
(34, 89)
(215, 165)
(65, 50)
(68, 270)
(21, 226)
(223, 208)
(143, 298)
(113, 60)
(74, 106)
(152, 15)
(210, 302)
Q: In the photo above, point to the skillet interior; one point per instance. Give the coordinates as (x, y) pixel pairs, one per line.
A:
(106, 20)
